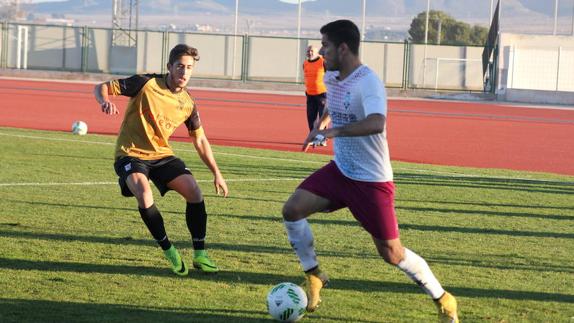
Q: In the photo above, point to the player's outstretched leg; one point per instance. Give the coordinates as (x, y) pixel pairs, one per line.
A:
(447, 308)
(416, 268)
(177, 264)
(315, 280)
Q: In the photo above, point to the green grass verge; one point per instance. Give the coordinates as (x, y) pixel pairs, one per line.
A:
(501, 241)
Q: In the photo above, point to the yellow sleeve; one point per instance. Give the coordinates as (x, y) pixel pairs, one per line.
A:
(114, 88)
(197, 132)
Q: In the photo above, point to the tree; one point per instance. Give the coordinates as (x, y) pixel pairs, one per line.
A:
(452, 32)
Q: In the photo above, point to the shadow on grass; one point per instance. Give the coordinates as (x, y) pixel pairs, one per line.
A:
(265, 249)
(487, 213)
(22, 310)
(270, 279)
(487, 204)
(317, 218)
(321, 219)
(524, 185)
(257, 169)
(25, 310)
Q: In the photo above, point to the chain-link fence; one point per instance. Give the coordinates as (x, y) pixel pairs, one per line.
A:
(241, 58)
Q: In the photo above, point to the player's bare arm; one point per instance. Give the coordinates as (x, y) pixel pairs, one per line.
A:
(372, 124)
(206, 154)
(101, 93)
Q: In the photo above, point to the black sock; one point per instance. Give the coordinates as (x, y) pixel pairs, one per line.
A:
(154, 222)
(196, 218)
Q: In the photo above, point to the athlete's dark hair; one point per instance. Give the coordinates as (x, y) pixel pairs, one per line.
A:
(182, 50)
(343, 31)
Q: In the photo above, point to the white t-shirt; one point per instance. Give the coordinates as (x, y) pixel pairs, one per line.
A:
(364, 158)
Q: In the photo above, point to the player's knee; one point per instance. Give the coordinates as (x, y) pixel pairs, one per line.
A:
(144, 200)
(193, 195)
(291, 212)
(391, 255)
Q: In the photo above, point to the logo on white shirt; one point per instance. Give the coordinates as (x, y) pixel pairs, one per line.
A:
(347, 100)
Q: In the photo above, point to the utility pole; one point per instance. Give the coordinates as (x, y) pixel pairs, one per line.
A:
(438, 33)
(363, 20)
(363, 25)
(298, 41)
(427, 23)
(124, 27)
(555, 17)
(426, 41)
(235, 39)
(490, 13)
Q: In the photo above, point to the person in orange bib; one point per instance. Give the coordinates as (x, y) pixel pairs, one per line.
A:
(315, 89)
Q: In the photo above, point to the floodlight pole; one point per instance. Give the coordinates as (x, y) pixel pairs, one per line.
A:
(490, 13)
(427, 23)
(426, 41)
(298, 40)
(235, 39)
(555, 17)
(499, 14)
(363, 20)
(363, 24)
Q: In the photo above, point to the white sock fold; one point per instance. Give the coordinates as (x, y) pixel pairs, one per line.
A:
(301, 239)
(417, 269)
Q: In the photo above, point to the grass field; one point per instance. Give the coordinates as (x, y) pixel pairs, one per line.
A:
(74, 250)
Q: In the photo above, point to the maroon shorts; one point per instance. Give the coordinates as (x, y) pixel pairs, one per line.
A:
(371, 203)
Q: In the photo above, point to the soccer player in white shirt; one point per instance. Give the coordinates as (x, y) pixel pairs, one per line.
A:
(360, 177)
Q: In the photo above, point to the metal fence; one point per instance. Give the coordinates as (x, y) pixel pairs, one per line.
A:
(241, 58)
(541, 68)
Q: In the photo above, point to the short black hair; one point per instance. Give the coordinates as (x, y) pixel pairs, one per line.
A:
(182, 50)
(343, 31)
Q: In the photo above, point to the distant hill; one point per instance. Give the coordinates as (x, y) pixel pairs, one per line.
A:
(384, 8)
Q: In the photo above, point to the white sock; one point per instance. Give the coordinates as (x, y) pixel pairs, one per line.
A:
(301, 239)
(417, 269)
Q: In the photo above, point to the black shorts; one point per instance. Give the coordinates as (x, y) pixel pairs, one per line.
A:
(160, 171)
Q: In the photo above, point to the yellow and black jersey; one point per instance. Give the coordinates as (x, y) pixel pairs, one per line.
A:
(152, 115)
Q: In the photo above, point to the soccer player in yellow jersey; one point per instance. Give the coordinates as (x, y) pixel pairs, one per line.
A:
(158, 105)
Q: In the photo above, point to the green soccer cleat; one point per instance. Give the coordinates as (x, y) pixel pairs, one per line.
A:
(202, 262)
(177, 264)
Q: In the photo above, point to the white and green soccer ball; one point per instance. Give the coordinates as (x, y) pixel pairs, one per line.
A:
(79, 128)
(287, 302)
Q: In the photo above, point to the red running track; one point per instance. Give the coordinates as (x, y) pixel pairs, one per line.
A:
(421, 131)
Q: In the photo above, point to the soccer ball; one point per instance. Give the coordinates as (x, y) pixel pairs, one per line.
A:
(286, 302)
(79, 128)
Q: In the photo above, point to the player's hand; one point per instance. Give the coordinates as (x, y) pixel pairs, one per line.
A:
(220, 185)
(314, 137)
(109, 108)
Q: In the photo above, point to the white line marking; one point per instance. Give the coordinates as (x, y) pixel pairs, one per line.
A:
(115, 183)
(186, 150)
(307, 161)
(56, 139)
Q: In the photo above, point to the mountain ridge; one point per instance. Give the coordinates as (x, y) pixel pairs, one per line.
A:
(384, 8)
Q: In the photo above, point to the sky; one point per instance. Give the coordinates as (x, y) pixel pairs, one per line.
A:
(289, 1)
